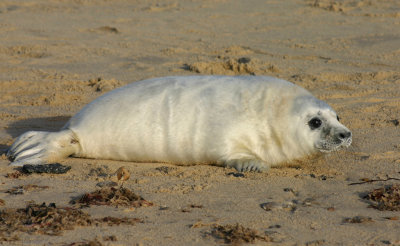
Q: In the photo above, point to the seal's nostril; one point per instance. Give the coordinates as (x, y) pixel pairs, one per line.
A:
(344, 135)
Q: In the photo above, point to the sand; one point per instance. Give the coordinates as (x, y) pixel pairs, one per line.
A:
(58, 55)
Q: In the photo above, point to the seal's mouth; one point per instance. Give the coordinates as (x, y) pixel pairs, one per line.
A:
(333, 144)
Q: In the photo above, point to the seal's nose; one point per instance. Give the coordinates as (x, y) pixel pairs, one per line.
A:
(344, 135)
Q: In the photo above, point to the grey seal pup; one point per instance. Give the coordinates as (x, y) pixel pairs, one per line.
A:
(247, 122)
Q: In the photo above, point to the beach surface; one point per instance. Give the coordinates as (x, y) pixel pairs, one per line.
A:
(58, 55)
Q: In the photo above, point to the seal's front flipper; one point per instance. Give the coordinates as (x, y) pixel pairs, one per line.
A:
(37, 147)
(245, 165)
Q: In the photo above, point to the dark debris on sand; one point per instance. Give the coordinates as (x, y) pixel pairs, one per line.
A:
(15, 175)
(85, 243)
(359, 219)
(41, 219)
(386, 198)
(112, 196)
(94, 242)
(19, 190)
(55, 168)
(49, 220)
(237, 234)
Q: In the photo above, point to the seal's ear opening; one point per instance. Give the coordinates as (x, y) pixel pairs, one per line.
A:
(337, 117)
(315, 123)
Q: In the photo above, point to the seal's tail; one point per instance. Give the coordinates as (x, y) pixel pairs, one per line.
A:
(37, 147)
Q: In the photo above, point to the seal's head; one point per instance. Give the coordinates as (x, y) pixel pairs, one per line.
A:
(321, 127)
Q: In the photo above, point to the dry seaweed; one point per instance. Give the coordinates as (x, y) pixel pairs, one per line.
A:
(111, 238)
(367, 180)
(18, 190)
(386, 198)
(113, 197)
(15, 175)
(358, 219)
(111, 221)
(196, 206)
(94, 242)
(41, 219)
(315, 242)
(237, 234)
(49, 220)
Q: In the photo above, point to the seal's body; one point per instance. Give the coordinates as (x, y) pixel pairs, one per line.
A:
(248, 122)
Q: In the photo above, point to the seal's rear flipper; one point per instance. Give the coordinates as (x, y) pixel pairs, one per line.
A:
(37, 147)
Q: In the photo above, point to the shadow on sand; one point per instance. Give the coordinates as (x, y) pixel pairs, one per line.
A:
(34, 124)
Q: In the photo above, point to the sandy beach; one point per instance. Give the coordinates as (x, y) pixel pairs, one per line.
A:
(58, 55)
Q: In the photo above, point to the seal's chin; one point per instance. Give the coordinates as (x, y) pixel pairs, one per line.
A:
(330, 145)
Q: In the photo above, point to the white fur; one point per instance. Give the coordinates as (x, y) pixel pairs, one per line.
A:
(248, 122)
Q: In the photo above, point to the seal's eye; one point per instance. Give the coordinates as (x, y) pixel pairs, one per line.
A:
(314, 123)
(337, 117)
